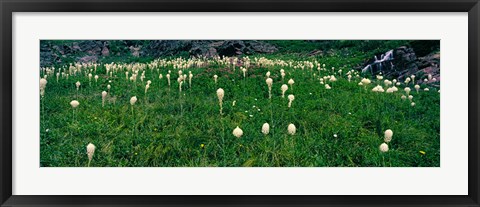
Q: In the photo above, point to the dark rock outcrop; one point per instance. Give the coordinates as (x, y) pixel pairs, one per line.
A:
(85, 50)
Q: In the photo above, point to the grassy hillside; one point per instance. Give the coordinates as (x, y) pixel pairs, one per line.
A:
(342, 126)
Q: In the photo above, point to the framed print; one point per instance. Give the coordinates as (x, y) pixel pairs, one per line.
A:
(196, 103)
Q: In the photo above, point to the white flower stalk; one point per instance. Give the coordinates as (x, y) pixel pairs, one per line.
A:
(160, 76)
(284, 89)
(404, 97)
(410, 97)
(327, 87)
(90, 152)
(268, 74)
(244, 70)
(180, 86)
(74, 105)
(383, 147)
(390, 90)
(265, 128)
(237, 132)
(407, 80)
(291, 129)
(108, 88)
(78, 84)
(349, 77)
(413, 78)
(412, 104)
(291, 97)
(407, 90)
(96, 78)
(58, 76)
(104, 96)
(126, 75)
(43, 85)
(430, 77)
(283, 75)
(269, 82)
(220, 95)
(291, 82)
(215, 77)
(417, 87)
(90, 79)
(168, 79)
(388, 135)
(146, 88)
(190, 76)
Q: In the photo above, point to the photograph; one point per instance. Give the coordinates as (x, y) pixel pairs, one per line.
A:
(239, 103)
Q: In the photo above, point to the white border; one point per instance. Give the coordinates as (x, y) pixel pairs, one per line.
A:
(449, 179)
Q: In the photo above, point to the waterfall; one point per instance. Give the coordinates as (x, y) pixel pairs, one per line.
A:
(379, 63)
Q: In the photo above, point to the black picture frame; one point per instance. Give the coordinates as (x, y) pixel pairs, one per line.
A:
(7, 7)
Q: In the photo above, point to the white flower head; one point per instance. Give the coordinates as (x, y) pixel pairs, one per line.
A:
(291, 82)
(90, 151)
(104, 94)
(383, 147)
(74, 103)
(366, 81)
(265, 128)
(417, 87)
(133, 100)
(237, 132)
(269, 82)
(292, 129)
(388, 135)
